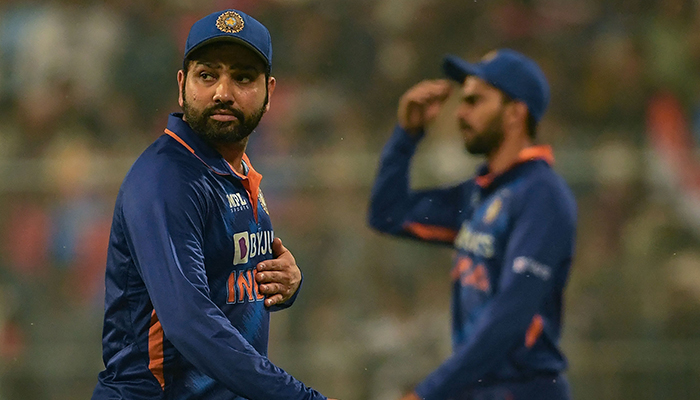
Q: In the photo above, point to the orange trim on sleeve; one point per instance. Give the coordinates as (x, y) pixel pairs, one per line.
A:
(155, 349)
(431, 232)
(534, 331)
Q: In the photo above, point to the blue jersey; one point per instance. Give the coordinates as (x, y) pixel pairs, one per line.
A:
(514, 237)
(183, 315)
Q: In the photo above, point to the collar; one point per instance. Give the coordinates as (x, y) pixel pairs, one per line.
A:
(542, 152)
(183, 134)
(181, 131)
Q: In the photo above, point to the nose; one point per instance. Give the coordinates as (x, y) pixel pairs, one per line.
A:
(224, 92)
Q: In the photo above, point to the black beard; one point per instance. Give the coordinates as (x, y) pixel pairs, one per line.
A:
(221, 132)
(488, 140)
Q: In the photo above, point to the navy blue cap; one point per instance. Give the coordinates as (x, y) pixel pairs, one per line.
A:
(509, 71)
(231, 25)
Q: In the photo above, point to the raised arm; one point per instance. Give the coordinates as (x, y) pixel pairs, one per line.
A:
(431, 215)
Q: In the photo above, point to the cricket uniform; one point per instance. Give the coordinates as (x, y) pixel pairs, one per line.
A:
(183, 315)
(514, 237)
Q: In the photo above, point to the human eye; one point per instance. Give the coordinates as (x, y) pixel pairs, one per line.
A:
(206, 76)
(471, 99)
(244, 77)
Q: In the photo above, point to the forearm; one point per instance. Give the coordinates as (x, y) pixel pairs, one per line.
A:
(500, 330)
(389, 198)
(206, 338)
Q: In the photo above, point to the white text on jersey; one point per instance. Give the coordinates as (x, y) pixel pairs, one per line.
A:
(481, 244)
(247, 245)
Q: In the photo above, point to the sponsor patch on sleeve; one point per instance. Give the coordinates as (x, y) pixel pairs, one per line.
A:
(523, 265)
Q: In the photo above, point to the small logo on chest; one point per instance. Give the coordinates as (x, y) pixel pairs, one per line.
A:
(236, 202)
(493, 210)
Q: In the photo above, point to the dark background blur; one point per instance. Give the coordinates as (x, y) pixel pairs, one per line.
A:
(86, 86)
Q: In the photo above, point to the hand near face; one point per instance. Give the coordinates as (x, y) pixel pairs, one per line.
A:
(421, 104)
(278, 278)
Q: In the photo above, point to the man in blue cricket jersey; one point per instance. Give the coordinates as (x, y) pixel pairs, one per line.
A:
(193, 266)
(512, 226)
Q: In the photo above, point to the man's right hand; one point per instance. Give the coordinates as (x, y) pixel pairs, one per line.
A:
(421, 104)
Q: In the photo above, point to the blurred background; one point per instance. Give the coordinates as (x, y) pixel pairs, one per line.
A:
(85, 86)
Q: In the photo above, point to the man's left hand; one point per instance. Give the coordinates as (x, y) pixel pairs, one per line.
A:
(279, 278)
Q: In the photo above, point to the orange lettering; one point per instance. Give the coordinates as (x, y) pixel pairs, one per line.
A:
(245, 286)
(478, 278)
(231, 288)
(463, 265)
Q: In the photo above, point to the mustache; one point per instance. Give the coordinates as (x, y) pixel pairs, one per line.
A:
(236, 113)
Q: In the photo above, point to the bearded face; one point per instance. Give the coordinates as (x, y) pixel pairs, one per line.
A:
(221, 132)
(224, 92)
(488, 139)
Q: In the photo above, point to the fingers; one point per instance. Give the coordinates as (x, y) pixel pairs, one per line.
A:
(276, 299)
(275, 292)
(282, 258)
(278, 278)
(284, 281)
(429, 91)
(417, 101)
(272, 265)
(278, 248)
(270, 289)
(268, 276)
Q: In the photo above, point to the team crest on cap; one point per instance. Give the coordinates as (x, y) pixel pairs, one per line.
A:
(230, 22)
(493, 210)
(489, 56)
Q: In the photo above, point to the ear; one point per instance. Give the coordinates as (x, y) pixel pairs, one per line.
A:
(271, 84)
(180, 86)
(516, 115)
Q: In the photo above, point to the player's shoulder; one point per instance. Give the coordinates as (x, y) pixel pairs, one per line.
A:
(165, 165)
(543, 177)
(544, 185)
(166, 156)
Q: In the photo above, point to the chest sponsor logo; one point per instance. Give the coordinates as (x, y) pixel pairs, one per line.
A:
(481, 244)
(247, 245)
(237, 202)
